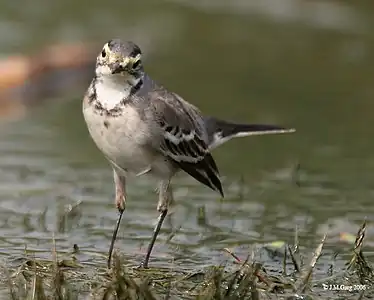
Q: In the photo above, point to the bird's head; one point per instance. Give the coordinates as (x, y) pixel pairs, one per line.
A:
(119, 58)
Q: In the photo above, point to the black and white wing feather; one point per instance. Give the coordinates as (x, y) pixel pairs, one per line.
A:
(184, 138)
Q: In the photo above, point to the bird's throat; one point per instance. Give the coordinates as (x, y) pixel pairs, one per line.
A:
(112, 90)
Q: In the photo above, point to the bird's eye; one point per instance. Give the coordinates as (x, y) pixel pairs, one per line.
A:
(135, 65)
(103, 53)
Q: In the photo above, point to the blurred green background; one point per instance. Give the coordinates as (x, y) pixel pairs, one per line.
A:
(303, 64)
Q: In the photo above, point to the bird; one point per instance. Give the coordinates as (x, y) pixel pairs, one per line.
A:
(142, 128)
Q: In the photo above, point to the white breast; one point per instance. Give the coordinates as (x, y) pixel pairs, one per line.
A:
(123, 139)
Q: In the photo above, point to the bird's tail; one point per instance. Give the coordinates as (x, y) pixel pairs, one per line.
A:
(220, 131)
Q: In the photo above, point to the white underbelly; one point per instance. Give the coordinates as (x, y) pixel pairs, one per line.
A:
(124, 142)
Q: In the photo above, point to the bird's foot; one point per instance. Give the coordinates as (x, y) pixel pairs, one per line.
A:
(143, 265)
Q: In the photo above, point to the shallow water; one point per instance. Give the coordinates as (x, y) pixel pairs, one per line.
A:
(306, 68)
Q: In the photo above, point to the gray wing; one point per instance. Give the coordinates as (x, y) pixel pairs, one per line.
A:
(183, 137)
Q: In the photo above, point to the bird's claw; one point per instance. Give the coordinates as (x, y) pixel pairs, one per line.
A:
(143, 265)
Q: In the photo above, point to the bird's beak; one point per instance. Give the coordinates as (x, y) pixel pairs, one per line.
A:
(119, 66)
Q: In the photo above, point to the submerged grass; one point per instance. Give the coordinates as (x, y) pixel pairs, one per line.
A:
(66, 279)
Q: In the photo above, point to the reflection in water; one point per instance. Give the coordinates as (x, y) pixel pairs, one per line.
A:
(234, 66)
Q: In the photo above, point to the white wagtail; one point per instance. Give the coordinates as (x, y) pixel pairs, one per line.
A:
(142, 128)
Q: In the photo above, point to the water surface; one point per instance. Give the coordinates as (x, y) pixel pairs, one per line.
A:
(306, 68)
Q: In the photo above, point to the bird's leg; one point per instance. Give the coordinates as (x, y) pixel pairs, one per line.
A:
(165, 197)
(120, 187)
